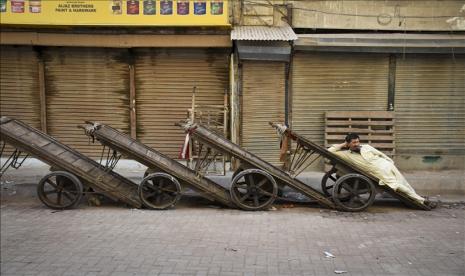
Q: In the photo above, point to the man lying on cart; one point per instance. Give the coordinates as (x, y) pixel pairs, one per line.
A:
(378, 164)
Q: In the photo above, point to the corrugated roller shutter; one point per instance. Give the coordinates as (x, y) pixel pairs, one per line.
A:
(430, 104)
(164, 82)
(263, 91)
(19, 85)
(86, 84)
(335, 82)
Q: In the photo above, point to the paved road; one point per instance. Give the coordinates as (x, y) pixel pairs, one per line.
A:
(201, 239)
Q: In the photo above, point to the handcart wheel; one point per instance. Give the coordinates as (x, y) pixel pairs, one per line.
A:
(253, 189)
(354, 192)
(159, 191)
(60, 190)
(328, 181)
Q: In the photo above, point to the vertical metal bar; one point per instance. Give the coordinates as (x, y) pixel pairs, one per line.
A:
(132, 100)
(42, 96)
(391, 82)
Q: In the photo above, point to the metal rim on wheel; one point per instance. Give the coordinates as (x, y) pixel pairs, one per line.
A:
(159, 191)
(354, 192)
(253, 189)
(60, 190)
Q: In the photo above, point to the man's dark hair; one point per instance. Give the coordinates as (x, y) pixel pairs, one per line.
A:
(351, 136)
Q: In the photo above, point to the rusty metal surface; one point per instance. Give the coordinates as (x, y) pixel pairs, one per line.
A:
(343, 165)
(156, 160)
(85, 84)
(265, 33)
(222, 144)
(430, 105)
(262, 101)
(62, 157)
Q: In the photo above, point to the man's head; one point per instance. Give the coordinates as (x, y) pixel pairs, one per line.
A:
(353, 142)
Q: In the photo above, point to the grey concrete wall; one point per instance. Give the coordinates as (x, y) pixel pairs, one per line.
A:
(361, 15)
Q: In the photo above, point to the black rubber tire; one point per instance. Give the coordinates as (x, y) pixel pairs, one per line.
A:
(67, 184)
(147, 191)
(347, 204)
(251, 190)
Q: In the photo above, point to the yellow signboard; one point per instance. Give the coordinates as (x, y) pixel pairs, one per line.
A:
(115, 12)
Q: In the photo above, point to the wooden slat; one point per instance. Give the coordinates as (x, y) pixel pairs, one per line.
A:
(378, 132)
(341, 137)
(357, 130)
(384, 115)
(338, 122)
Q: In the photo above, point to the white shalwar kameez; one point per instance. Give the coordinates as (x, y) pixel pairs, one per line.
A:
(380, 166)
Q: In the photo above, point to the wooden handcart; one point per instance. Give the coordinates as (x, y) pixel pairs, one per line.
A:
(255, 183)
(165, 178)
(73, 173)
(349, 187)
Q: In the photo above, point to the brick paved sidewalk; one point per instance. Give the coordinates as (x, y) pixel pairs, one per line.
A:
(200, 239)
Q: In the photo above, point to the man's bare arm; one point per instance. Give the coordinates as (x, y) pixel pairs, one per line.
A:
(338, 147)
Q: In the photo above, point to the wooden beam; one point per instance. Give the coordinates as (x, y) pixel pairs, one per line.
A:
(132, 100)
(42, 96)
(113, 40)
(392, 82)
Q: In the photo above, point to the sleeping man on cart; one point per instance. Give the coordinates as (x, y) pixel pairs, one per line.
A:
(377, 164)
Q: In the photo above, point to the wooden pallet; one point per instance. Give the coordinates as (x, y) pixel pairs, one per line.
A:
(374, 127)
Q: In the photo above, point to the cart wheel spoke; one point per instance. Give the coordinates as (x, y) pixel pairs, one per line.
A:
(242, 186)
(357, 181)
(150, 195)
(255, 200)
(364, 191)
(251, 180)
(263, 192)
(244, 197)
(68, 195)
(51, 183)
(262, 182)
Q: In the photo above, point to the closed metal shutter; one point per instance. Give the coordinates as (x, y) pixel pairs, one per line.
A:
(335, 82)
(263, 92)
(430, 104)
(85, 84)
(19, 85)
(164, 82)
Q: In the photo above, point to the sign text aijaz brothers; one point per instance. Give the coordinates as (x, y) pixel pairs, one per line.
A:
(115, 12)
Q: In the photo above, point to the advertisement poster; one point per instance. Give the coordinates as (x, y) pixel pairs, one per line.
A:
(115, 12)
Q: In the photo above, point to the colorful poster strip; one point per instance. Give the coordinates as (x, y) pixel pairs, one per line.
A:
(115, 12)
